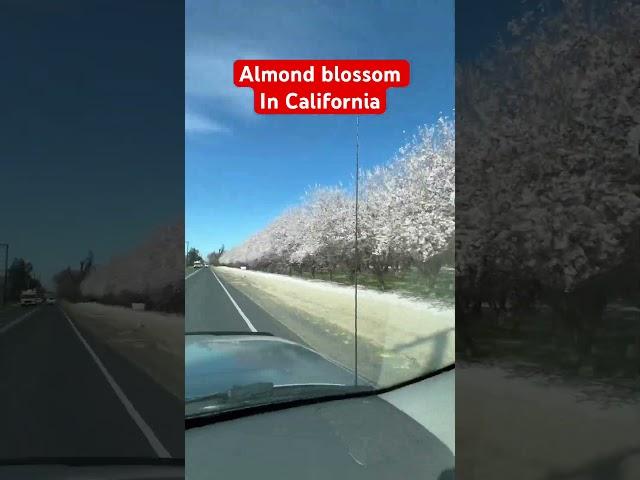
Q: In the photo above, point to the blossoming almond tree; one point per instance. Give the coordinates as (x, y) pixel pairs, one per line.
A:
(548, 160)
(557, 194)
(408, 205)
(406, 217)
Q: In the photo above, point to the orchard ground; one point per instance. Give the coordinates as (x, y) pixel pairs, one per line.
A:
(407, 284)
(399, 338)
(494, 408)
(529, 406)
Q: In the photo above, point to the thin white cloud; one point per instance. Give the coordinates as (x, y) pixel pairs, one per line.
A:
(209, 79)
(220, 33)
(197, 123)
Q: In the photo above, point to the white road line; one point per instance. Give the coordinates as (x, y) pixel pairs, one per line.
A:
(193, 273)
(249, 324)
(17, 321)
(137, 418)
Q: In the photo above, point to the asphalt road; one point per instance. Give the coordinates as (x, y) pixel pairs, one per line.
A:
(215, 306)
(64, 394)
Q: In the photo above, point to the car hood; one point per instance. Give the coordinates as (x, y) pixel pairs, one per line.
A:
(217, 363)
(358, 438)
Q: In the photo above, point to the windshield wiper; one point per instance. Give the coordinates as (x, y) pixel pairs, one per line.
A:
(215, 333)
(265, 392)
(237, 393)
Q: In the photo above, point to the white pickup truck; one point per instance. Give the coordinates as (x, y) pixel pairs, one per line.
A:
(30, 297)
(198, 264)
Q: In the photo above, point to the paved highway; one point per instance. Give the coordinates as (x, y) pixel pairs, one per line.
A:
(64, 394)
(215, 306)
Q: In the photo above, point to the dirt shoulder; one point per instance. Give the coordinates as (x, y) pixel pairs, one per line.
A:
(399, 338)
(515, 427)
(152, 341)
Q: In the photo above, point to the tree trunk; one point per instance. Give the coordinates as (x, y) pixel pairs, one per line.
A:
(379, 272)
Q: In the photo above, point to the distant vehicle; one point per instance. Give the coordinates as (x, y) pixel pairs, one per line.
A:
(198, 264)
(30, 297)
(50, 300)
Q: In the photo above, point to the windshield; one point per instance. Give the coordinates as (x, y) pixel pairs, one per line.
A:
(231, 372)
(333, 232)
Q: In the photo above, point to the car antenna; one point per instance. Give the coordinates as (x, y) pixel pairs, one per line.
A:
(357, 258)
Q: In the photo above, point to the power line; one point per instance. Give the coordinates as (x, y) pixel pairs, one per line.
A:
(357, 258)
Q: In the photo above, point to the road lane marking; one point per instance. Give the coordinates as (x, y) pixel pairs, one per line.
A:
(193, 273)
(137, 418)
(17, 320)
(248, 322)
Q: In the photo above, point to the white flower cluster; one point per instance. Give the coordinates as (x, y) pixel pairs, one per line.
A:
(548, 152)
(406, 215)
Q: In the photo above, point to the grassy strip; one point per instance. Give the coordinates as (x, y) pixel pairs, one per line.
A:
(410, 284)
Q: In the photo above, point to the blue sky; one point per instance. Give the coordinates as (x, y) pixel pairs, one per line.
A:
(242, 169)
(92, 136)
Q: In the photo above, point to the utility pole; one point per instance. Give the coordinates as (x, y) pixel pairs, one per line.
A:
(357, 259)
(6, 270)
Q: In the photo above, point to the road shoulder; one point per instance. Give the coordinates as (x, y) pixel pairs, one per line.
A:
(152, 342)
